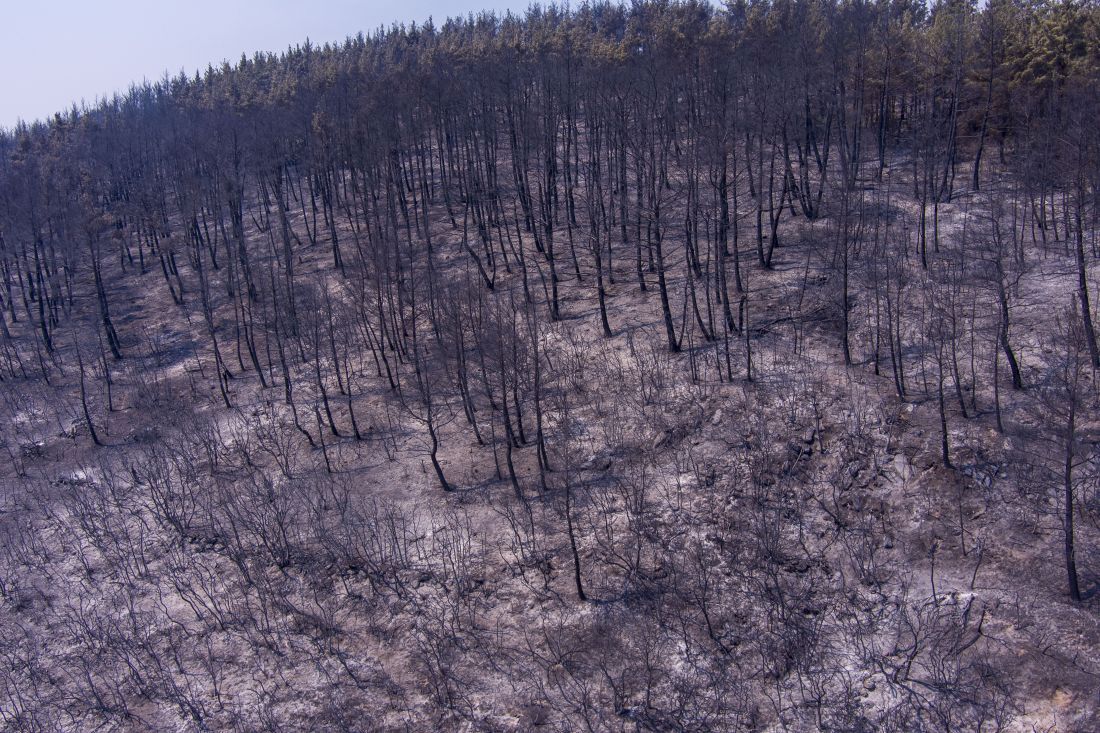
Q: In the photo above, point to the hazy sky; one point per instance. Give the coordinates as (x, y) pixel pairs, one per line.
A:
(56, 52)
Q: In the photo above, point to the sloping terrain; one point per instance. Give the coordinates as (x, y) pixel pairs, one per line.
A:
(540, 407)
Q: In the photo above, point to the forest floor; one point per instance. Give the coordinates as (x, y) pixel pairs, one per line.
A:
(878, 548)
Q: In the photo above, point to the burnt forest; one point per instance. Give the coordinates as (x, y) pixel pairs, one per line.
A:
(662, 366)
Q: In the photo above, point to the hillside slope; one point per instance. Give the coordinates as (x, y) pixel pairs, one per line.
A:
(651, 369)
